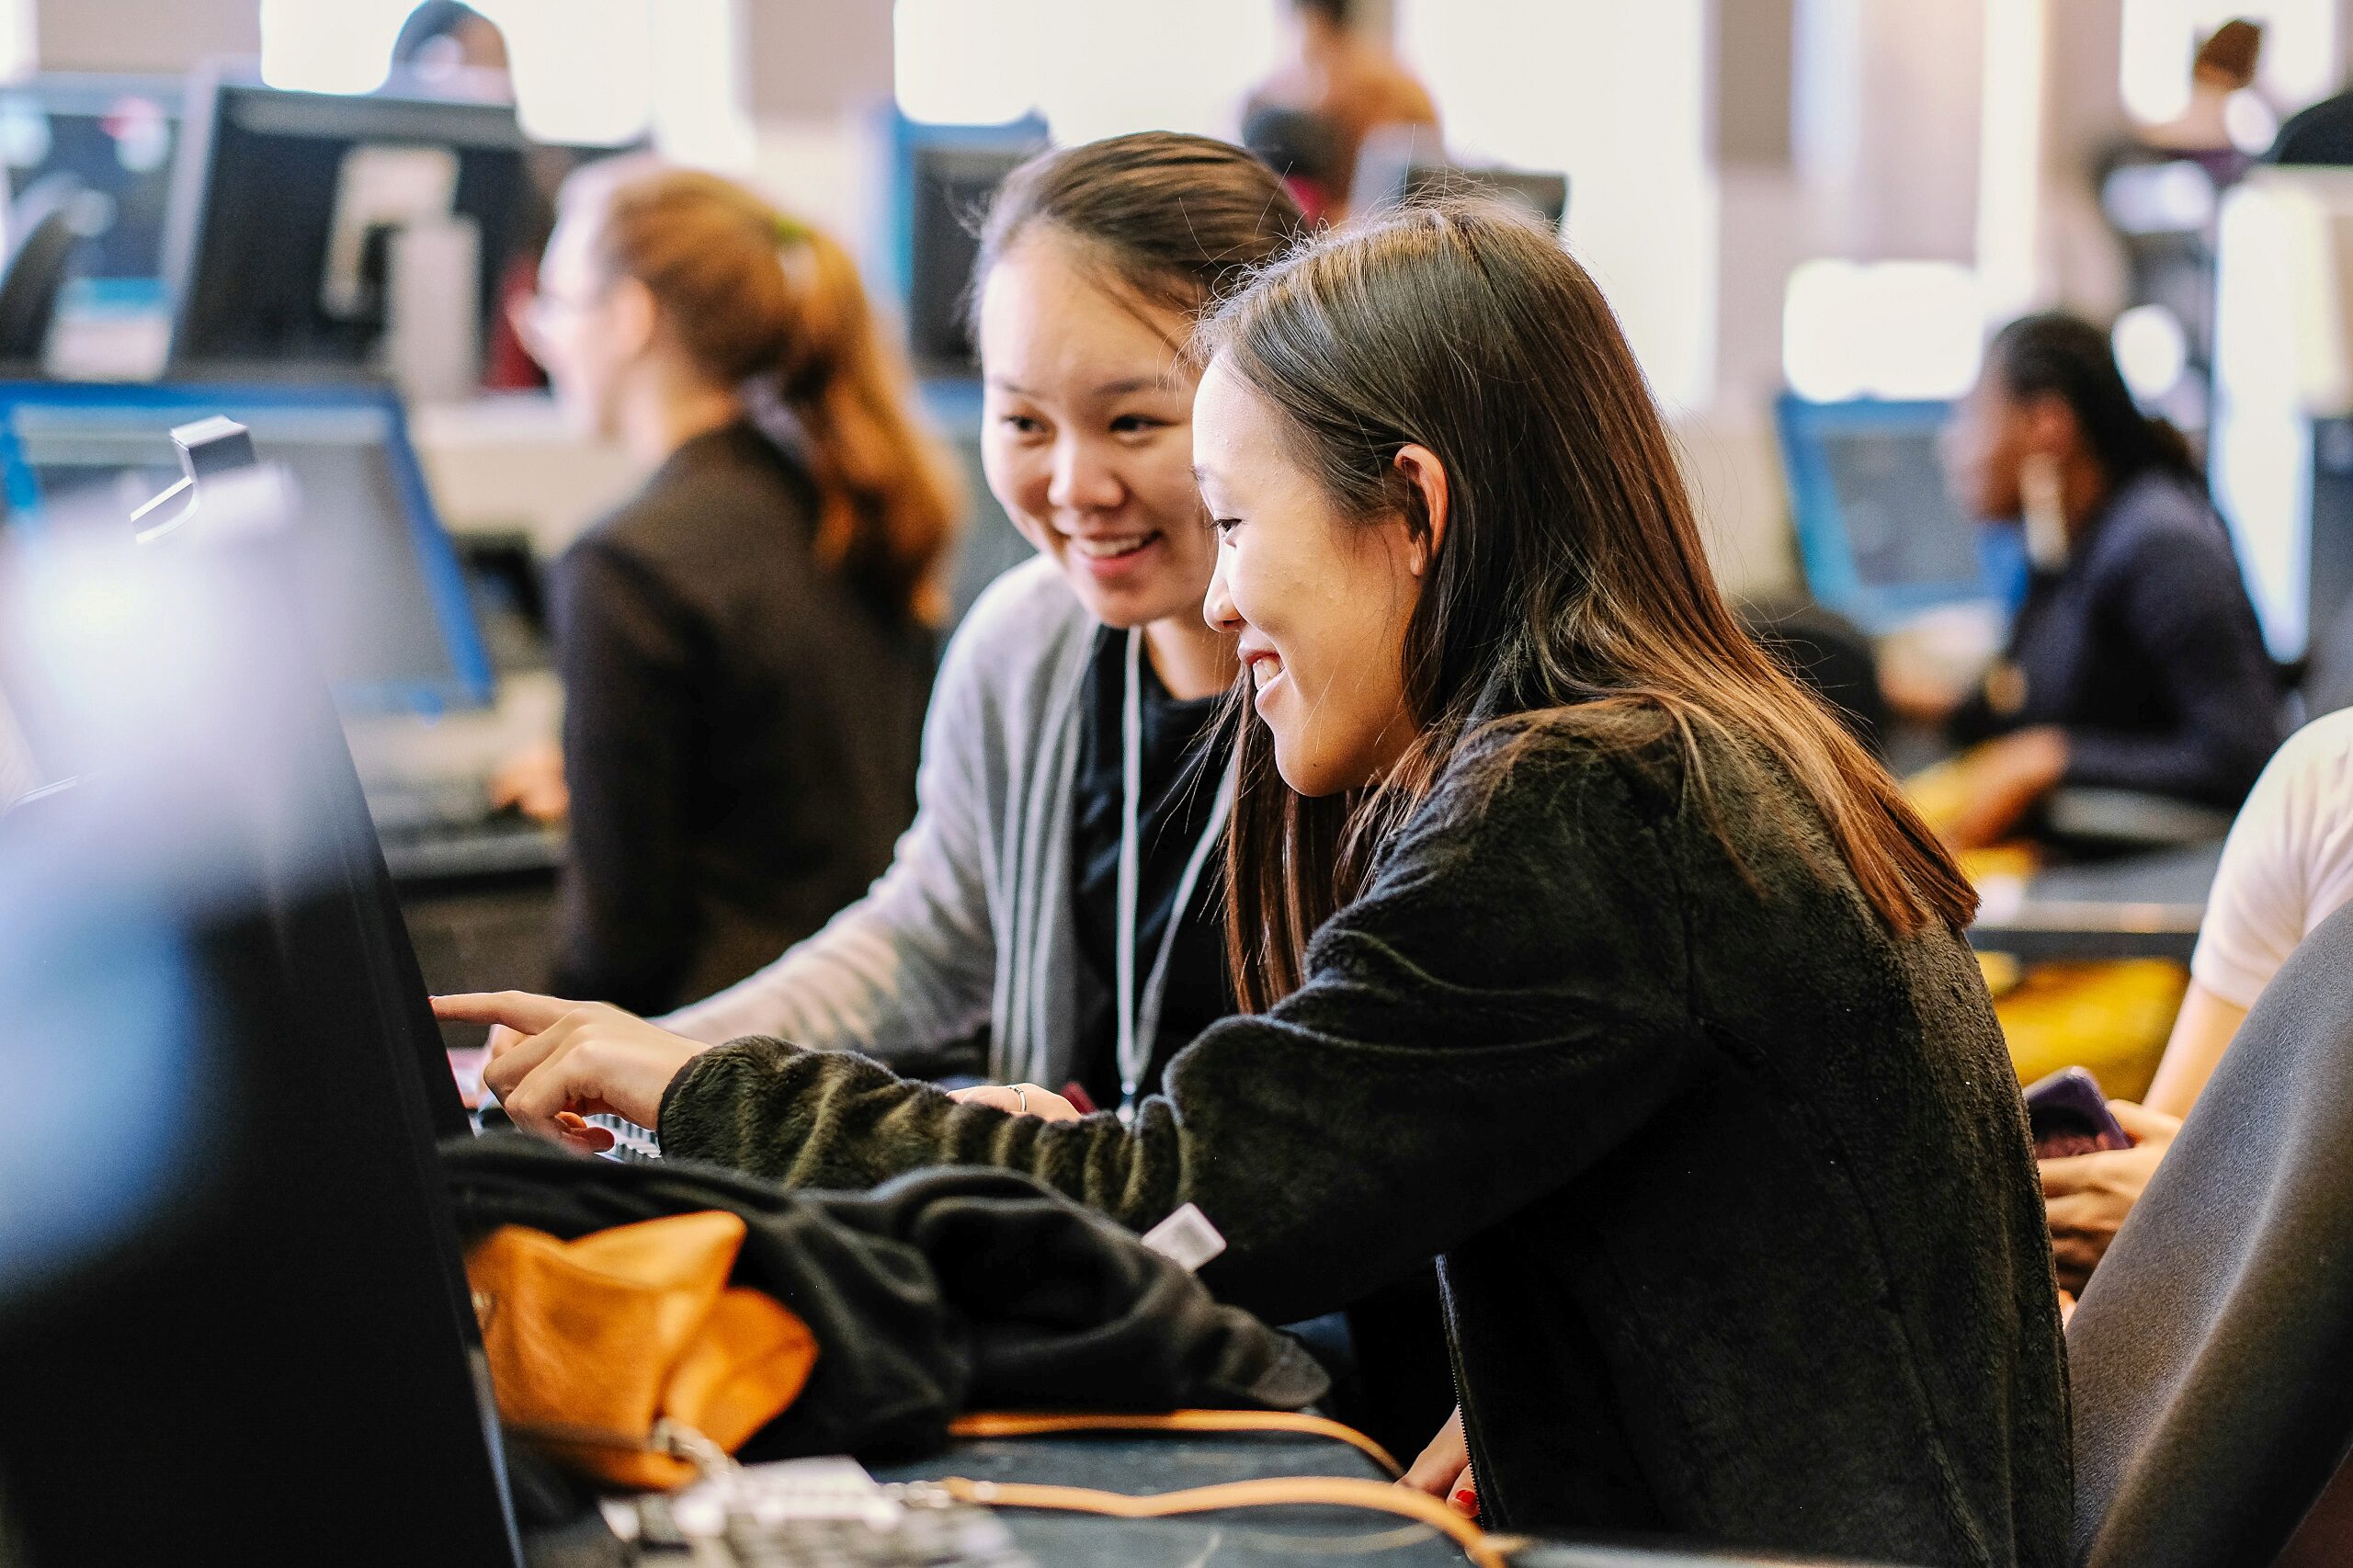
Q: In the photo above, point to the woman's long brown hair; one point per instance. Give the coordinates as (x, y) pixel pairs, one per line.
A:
(1571, 571)
(764, 303)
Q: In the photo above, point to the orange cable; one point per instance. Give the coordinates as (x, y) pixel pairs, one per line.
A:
(1323, 1491)
(1033, 1424)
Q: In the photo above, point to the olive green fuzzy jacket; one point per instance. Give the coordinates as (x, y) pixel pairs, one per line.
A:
(1739, 1227)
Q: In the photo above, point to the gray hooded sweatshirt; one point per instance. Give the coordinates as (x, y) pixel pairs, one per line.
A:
(970, 927)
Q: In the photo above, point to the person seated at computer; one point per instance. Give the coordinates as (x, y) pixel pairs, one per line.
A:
(2136, 662)
(745, 645)
(1635, 988)
(2287, 866)
(1348, 83)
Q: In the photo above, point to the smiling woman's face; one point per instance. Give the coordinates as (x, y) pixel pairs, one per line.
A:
(1321, 601)
(1086, 432)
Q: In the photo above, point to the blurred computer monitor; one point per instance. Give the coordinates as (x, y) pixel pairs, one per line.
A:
(1880, 536)
(232, 1300)
(116, 136)
(288, 207)
(1404, 163)
(950, 184)
(390, 610)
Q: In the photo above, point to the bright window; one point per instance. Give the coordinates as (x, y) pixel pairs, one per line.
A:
(597, 72)
(2299, 63)
(1895, 329)
(1092, 68)
(1613, 93)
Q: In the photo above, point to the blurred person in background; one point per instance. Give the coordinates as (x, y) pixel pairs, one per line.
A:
(454, 49)
(2223, 68)
(2136, 662)
(746, 645)
(1345, 83)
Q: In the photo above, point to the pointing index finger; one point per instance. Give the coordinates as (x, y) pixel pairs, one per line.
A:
(519, 1010)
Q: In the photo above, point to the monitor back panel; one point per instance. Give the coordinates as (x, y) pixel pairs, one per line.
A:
(245, 1331)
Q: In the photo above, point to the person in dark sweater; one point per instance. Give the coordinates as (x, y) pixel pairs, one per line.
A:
(746, 644)
(1634, 991)
(2136, 661)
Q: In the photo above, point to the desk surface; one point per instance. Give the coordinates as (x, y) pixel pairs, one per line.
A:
(1260, 1538)
(2142, 906)
(1244, 1540)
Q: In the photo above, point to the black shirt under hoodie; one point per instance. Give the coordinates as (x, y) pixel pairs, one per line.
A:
(740, 728)
(1730, 1184)
(1181, 775)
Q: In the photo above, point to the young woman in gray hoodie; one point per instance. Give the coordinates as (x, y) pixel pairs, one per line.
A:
(1053, 897)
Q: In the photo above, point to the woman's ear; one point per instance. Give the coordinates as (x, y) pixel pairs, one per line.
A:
(634, 317)
(1419, 467)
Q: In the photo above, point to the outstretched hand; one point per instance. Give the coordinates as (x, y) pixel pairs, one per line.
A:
(553, 1063)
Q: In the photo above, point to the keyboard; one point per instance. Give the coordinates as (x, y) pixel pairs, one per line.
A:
(631, 1141)
(814, 1512)
(447, 827)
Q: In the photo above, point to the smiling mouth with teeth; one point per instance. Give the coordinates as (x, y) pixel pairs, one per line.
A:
(1111, 547)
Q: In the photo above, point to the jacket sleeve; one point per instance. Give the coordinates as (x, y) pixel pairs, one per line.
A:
(911, 967)
(625, 651)
(1502, 1006)
(2187, 612)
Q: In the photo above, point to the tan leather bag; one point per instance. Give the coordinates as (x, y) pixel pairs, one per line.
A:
(627, 1350)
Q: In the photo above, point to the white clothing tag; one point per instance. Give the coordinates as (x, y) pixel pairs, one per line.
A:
(1185, 1239)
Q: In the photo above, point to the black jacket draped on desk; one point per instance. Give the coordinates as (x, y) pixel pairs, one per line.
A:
(2145, 650)
(740, 728)
(1741, 1233)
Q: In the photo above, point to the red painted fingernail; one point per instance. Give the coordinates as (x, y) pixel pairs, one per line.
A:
(1466, 1498)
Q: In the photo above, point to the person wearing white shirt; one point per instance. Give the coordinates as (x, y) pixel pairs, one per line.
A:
(2287, 867)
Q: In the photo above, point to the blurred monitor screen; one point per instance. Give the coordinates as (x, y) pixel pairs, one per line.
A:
(287, 206)
(1408, 163)
(116, 136)
(950, 187)
(1880, 535)
(391, 618)
(1545, 195)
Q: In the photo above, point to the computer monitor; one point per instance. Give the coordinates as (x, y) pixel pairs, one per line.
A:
(234, 1319)
(1880, 536)
(1406, 164)
(116, 135)
(389, 608)
(944, 178)
(285, 207)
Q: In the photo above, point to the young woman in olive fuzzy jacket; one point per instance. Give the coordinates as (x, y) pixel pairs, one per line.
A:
(1587, 953)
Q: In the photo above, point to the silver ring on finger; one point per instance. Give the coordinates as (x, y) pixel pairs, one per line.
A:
(1023, 1095)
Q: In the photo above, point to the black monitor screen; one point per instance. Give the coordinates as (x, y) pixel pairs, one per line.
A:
(286, 207)
(952, 187)
(116, 136)
(389, 613)
(232, 1303)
